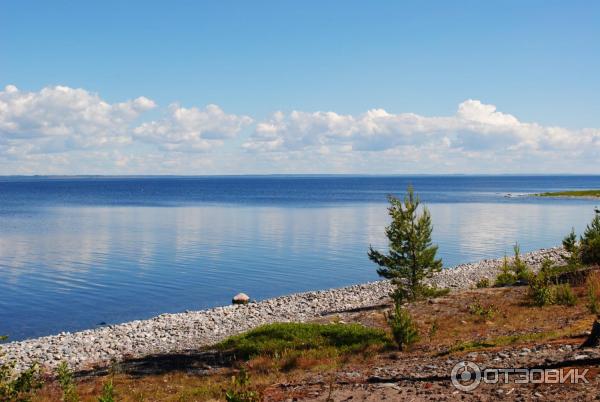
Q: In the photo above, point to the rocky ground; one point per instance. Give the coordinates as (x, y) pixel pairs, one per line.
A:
(517, 336)
(173, 333)
(419, 378)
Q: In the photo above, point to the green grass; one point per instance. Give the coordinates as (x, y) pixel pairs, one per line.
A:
(575, 193)
(503, 341)
(274, 339)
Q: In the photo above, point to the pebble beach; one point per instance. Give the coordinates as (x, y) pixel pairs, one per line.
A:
(192, 330)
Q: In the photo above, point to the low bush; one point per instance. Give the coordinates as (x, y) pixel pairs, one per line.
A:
(483, 283)
(542, 295)
(431, 292)
(519, 267)
(506, 277)
(590, 242)
(515, 273)
(544, 288)
(540, 285)
(593, 292)
(564, 295)
(403, 328)
(239, 390)
(587, 250)
(481, 311)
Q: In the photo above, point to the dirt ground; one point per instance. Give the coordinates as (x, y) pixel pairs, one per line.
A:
(495, 328)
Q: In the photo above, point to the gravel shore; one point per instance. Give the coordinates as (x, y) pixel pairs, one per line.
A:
(170, 333)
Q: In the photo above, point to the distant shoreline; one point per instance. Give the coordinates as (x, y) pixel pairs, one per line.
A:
(283, 175)
(586, 194)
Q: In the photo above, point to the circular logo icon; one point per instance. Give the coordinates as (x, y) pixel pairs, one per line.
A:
(465, 376)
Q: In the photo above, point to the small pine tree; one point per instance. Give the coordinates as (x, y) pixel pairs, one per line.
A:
(590, 242)
(403, 328)
(570, 245)
(506, 277)
(67, 383)
(520, 268)
(412, 256)
(570, 241)
(108, 392)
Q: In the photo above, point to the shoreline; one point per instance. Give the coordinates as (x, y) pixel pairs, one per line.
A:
(187, 331)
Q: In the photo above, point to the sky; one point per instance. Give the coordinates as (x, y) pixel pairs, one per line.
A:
(270, 87)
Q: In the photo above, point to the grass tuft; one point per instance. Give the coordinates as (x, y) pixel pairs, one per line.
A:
(275, 339)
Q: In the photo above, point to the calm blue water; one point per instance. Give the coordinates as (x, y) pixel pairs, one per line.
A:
(75, 252)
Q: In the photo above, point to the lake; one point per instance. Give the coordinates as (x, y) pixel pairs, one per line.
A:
(76, 252)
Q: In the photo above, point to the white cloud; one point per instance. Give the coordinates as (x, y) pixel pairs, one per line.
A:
(192, 129)
(476, 128)
(62, 130)
(66, 130)
(60, 119)
(64, 111)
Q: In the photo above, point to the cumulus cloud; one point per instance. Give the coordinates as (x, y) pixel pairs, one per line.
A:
(58, 119)
(475, 128)
(192, 129)
(60, 111)
(63, 130)
(55, 126)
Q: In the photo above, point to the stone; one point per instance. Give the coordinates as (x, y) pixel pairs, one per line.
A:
(241, 298)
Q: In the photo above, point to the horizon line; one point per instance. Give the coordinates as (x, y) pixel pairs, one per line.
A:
(291, 175)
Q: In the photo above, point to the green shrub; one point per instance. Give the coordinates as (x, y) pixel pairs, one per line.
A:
(571, 246)
(593, 292)
(108, 392)
(19, 387)
(273, 339)
(506, 277)
(483, 283)
(587, 251)
(514, 273)
(540, 285)
(431, 292)
(590, 242)
(542, 295)
(570, 241)
(485, 312)
(403, 328)
(564, 295)
(240, 389)
(66, 382)
(522, 272)
(545, 290)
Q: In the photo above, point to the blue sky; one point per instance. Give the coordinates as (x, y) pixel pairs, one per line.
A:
(293, 84)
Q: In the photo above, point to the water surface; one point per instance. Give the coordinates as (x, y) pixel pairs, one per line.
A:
(75, 252)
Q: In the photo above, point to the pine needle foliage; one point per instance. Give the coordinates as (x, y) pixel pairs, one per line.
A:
(412, 256)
